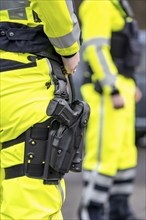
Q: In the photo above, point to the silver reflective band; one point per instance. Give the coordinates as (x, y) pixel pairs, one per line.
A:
(126, 188)
(13, 4)
(100, 131)
(92, 194)
(15, 8)
(99, 179)
(99, 42)
(125, 174)
(61, 191)
(109, 78)
(127, 8)
(67, 40)
(89, 191)
(84, 213)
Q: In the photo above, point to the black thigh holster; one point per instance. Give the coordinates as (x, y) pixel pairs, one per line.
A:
(35, 160)
(56, 149)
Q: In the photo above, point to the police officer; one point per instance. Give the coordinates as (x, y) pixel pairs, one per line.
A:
(27, 28)
(110, 53)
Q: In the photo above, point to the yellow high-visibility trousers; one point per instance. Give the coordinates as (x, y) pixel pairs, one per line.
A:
(24, 100)
(110, 138)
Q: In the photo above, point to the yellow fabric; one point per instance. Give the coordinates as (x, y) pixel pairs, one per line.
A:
(56, 26)
(33, 199)
(104, 16)
(47, 9)
(110, 141)
(24, 100)
(18, 85)
(12, 155)
(2, 176)
(99, 19)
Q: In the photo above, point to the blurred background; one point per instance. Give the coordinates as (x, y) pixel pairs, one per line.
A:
(74, 180)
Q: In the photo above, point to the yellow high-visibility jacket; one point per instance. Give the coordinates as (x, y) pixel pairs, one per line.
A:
(56, 17)
(98, 23)
(24, 33)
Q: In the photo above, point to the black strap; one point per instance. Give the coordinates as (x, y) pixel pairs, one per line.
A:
(10, 143)
(39, 132)
(15, 171)
(35, 171)
(18, 171)
(7, 65)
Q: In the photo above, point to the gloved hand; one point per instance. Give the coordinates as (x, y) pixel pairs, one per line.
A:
(118, 101)
(71, 63)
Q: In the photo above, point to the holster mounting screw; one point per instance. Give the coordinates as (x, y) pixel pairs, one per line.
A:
(32, 142)
(30, 155)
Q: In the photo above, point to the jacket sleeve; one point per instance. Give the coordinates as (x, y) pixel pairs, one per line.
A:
(96, 20)
(60, 24)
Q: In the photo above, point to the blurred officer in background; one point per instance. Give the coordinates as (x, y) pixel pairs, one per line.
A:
(27, 29)
(111, 52)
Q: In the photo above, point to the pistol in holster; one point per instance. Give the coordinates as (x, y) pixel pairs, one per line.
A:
(56, 147)
(61, 149)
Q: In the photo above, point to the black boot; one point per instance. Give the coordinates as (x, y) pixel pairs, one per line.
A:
(92, 212)
(119, 208)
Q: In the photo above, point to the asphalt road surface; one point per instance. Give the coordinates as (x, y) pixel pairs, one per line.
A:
(138, 199)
